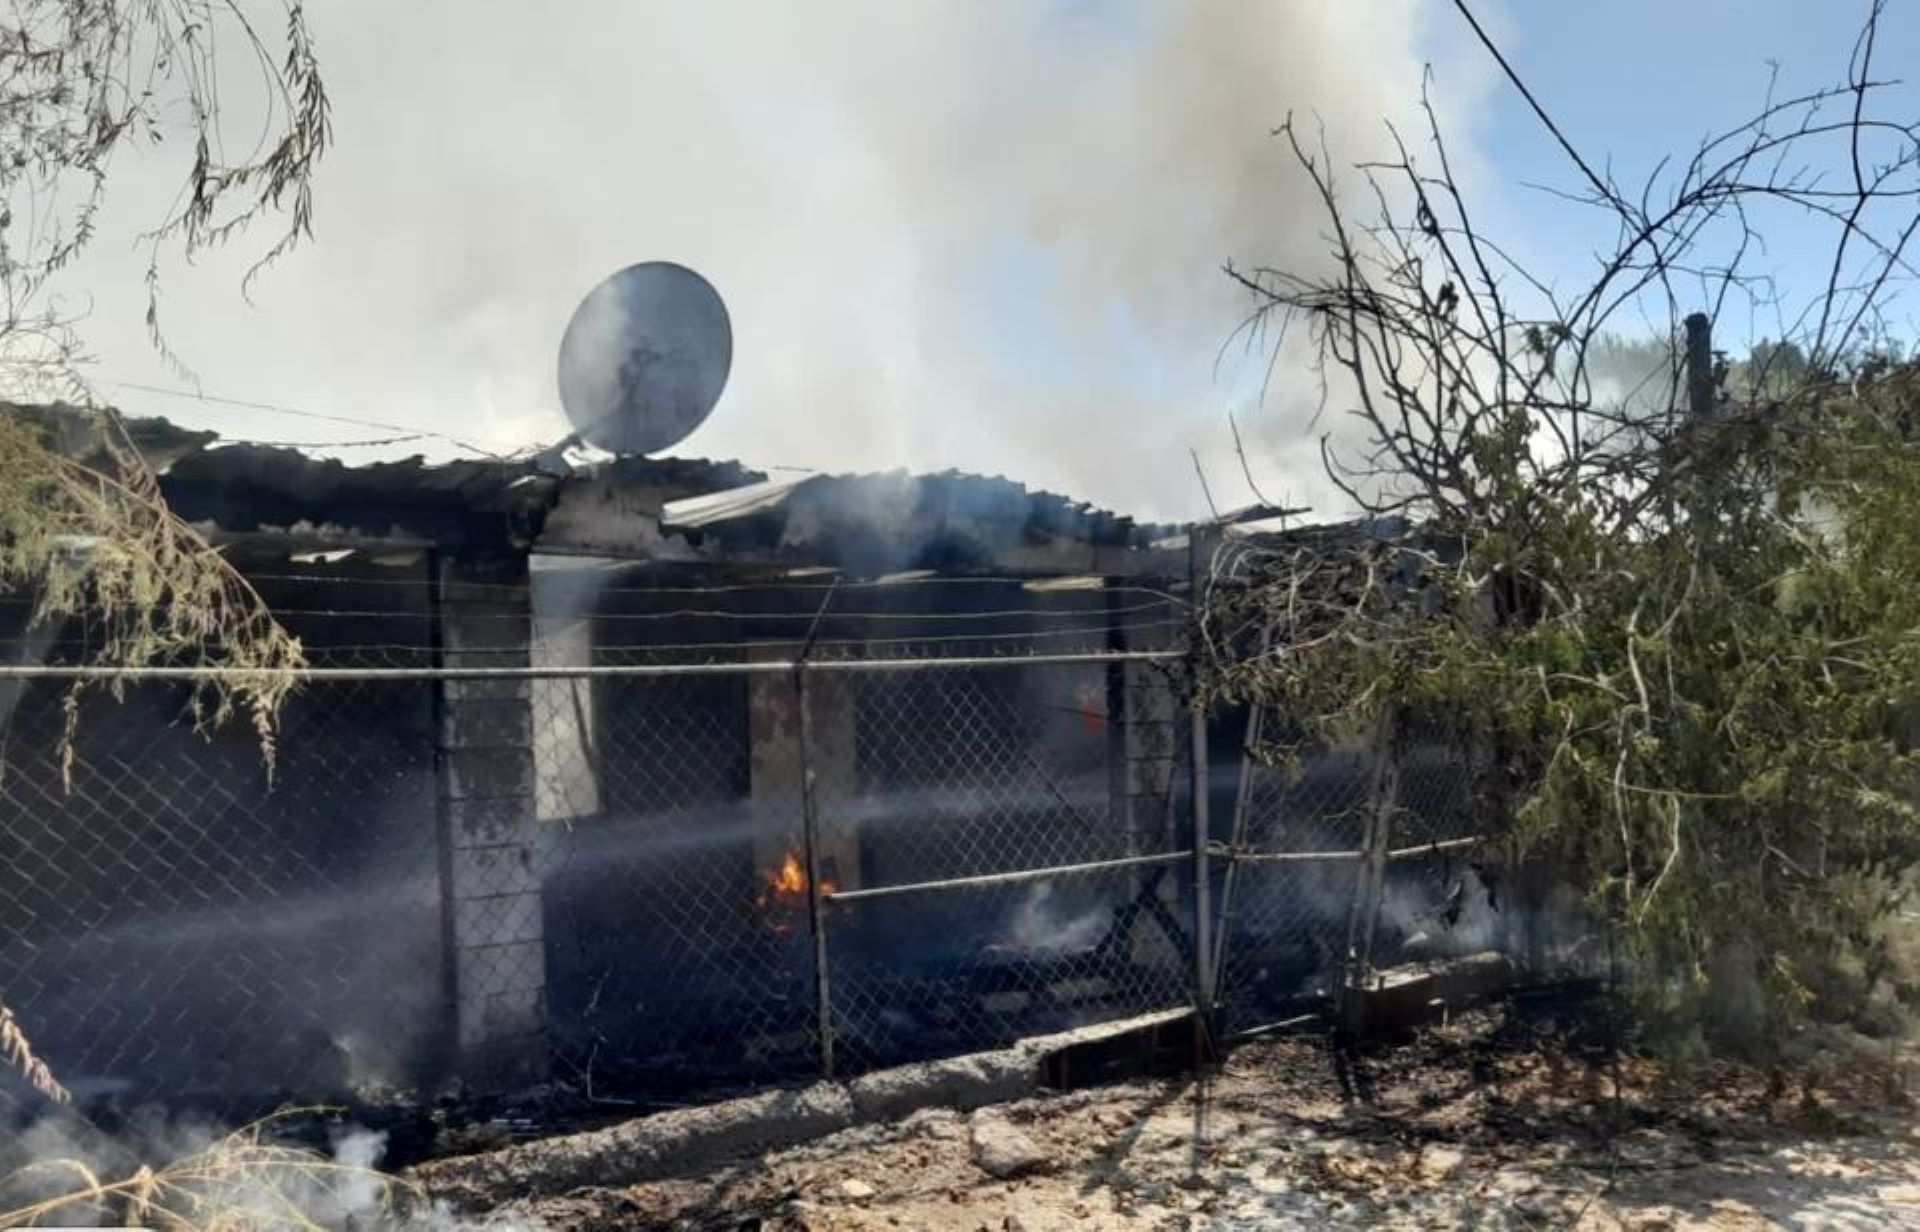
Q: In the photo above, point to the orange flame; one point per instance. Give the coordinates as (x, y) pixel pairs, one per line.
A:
(786, 892)
(791, 879)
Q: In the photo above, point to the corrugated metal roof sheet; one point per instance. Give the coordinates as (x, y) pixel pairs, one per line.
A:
(698, 511)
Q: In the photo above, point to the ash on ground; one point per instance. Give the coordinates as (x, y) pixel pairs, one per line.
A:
(1519, 1115)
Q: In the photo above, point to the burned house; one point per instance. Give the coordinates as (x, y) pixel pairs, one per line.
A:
(658, 775)
(665, 776)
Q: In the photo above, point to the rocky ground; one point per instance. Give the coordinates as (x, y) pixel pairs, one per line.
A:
(1509, 1117)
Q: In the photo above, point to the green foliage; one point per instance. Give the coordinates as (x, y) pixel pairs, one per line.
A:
(79, 81)
(94, 541)
(1708, 722)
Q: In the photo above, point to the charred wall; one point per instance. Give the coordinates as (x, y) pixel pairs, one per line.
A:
(181, 919)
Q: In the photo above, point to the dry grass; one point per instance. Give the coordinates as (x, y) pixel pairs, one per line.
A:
(243, 1182)
(17, 1050)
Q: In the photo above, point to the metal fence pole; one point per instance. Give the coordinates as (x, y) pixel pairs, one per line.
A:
(1237, 828)
(1237, 836)
(1200, 776)
(810, 844)
(1202, 874)
(1383, 795)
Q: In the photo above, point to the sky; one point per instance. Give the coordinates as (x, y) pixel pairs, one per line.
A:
(1633, 82)
(986, 236)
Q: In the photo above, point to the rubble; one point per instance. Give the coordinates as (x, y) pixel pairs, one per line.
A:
(1001, 1149)
(1491, 1121)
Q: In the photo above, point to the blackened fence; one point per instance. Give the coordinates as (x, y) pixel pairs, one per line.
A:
(646, 881)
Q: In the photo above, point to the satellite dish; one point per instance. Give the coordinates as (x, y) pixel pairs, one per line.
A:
(645, 358)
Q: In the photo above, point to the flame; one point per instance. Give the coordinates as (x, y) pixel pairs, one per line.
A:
(791, 879)
(786, 892)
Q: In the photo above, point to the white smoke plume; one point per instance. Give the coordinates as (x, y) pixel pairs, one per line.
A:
(986, 236)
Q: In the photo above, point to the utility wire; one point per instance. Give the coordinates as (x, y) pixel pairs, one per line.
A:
(1600, 185)
(411, 433)
(278, 409)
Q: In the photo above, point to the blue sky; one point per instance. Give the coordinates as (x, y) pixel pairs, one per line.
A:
(1633, 81)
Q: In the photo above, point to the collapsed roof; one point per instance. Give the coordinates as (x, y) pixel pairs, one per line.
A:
(668, 510)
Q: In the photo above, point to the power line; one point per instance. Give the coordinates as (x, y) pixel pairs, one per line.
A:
(1486, 40)
(280, 409)
(383, 440)
(411, 433)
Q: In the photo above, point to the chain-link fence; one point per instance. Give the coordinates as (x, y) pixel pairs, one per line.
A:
(649, 881)
(172, 919)
(654, 881)
(775, 872)
(1342, 859)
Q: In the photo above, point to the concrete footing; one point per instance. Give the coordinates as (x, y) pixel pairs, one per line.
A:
(1401, 998)
(691, 1139)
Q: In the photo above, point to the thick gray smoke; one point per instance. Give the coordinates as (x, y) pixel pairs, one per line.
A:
(986, 236)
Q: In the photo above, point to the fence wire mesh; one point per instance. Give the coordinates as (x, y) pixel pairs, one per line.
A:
(962, 775)
(616, 871)
(176, 922)
(654, 885)
(1296, 904)
(670, 947)
(1433, 901)
(1284, 922)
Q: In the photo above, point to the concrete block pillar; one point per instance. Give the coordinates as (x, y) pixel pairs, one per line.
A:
(491, 840)
(1145, 722)
(773, 708)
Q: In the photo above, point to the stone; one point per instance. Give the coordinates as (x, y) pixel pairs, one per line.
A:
(1514, 1179)
(857, 1189)
(1002, 1150)
(1439, 1163)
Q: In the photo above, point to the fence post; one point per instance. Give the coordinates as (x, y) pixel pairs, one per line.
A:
(1382, 800)
(490, 839)
(1699, 364)
(1202, 872)
(1242, 816)
(810, 844)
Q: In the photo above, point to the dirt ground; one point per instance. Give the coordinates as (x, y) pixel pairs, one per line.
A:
(1510, 1117)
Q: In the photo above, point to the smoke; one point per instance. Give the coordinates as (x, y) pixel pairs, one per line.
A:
(1043, 924)
(986, 236)
(208, 1177)
(1454, 916)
